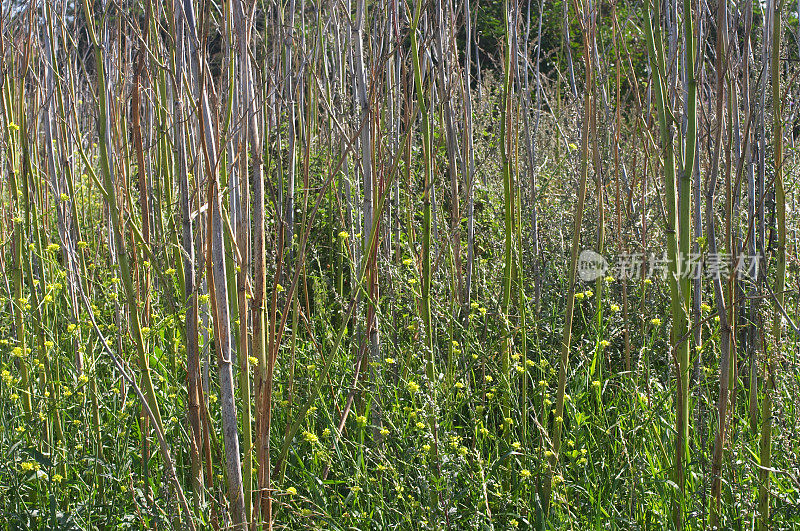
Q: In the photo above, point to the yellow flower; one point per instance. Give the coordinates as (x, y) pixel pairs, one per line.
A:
(361, 420)
(459, 385)
(615, 308)
(413, 387)
(170, 271)
(420, 425)
(588, 293)
(253, 361)
(384, 432)
(579, 296)
(57, 478)
(291, 491)
(389, 361)
(525, 473)
(604, 343)
(655, 322)
(310, 437)
(609, 278)
(572, 146)
(426, 447)
(344, 235)
(516, 446)
(29, 466)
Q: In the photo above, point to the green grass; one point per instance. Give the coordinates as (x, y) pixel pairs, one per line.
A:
(450, 427)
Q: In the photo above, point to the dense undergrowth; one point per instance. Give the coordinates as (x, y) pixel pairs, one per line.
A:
(444, 418)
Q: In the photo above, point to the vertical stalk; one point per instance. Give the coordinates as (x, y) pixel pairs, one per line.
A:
(506, 167)
(427, 153)
(215, 263)
(247, 114)
(368, 211)
(676, 250)
(110, 193)
(469, 159)
(194, 387)
(566, 339)
(780, 272)
(719, 294)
